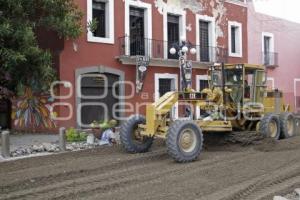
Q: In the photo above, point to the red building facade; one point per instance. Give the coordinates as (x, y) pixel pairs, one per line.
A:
(128, 28)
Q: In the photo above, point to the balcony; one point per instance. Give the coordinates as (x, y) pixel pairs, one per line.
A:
(158, 52)
(270, 59)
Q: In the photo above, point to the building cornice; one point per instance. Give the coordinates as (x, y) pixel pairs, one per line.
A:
(157, 62)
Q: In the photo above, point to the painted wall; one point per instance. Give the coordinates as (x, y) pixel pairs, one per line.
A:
(286, 44)
(32, 112)
(87, 54)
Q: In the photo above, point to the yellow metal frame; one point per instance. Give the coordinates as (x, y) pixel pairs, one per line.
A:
(158, 121)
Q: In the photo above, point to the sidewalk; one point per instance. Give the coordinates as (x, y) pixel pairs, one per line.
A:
(30, 145)
(26, 140)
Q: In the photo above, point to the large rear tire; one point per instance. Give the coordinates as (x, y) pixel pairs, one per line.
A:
(184, 141)
(131, 139)
(287, 125)
(269, 126)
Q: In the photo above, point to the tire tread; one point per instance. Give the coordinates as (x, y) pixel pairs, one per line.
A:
(171, 142)
(283, 117)
(125, 135)
(264, 125)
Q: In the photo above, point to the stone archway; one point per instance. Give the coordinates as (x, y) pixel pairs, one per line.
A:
(90, 109)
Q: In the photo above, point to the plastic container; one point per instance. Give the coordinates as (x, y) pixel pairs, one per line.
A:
(90, 139)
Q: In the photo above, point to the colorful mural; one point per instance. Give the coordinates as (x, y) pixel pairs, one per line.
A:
(32, 112)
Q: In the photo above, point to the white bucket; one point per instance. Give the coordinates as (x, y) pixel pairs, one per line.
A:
(90, 139)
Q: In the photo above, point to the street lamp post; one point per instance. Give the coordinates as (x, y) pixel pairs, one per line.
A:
(184, 65)
(185, 69)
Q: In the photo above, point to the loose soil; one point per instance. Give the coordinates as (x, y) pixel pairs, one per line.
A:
(237, 166)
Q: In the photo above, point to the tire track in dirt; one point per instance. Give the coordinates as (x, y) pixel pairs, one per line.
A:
(281, 190)
(33, 167)
(78, 182)
(271, 187)
(276, 187)
(64, 176)
(243, 173)
(269, 180)
(155, 176)
(33, 162)
(55, 160)
(152, 163)
(227, 188)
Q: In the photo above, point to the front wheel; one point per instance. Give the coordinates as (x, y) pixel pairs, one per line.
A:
(131, 138)
(184, 141)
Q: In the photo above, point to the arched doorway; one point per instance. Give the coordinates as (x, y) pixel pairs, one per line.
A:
(91, 85)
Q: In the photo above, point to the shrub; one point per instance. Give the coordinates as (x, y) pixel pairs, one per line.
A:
(74, 136)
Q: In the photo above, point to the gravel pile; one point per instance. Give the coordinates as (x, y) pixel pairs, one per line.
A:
(51, 148)
(34, 149)
(244, 137)
(75, 146)
(295, 195)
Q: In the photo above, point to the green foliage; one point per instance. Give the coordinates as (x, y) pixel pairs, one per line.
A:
(22, 61)
(74, 136)
(82, 136)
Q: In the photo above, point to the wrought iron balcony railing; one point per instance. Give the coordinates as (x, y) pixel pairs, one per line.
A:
(158, 49)
(211, 54)
(270, 59)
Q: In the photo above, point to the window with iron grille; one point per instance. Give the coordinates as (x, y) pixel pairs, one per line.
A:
(267, 50)
(203, 84)
(173, 33)
(102, 12)
(99, 15)
(137, 31)
(267, 43)
(204, 41)
(165, 85)
(233, 39)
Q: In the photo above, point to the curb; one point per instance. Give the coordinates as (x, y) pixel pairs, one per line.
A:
(3, 160)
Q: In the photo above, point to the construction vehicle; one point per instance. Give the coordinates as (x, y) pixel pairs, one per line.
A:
(237, 99)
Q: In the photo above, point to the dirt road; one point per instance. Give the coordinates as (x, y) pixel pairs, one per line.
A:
(224, 171)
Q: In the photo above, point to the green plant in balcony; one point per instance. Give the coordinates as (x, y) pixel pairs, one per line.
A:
(92, 25)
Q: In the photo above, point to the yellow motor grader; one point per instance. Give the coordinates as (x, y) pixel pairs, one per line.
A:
(237, 99)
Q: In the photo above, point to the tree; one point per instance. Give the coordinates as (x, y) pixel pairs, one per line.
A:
(22, 61)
